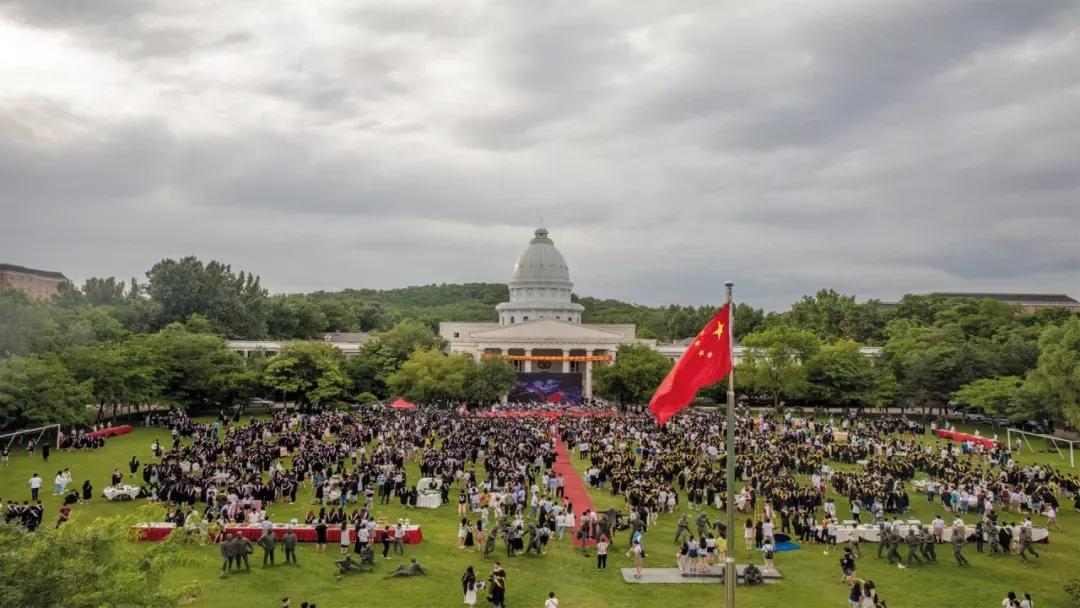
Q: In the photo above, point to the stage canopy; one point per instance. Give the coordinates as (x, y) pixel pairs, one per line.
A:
(401, 404)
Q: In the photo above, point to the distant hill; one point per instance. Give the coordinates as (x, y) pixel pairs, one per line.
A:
(380, 309)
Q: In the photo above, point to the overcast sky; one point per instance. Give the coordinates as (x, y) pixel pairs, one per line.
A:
(876, 148)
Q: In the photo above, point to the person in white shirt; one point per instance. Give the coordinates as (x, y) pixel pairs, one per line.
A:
(1051, 518)
(552, 601)
(35, 487)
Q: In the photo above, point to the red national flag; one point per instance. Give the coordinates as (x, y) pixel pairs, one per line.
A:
(708, 359)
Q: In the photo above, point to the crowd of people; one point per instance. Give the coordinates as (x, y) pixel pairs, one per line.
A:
(498, 471)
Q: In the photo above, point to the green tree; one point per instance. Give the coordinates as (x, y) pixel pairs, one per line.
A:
(309, 371)
(840, 375)
(634, 377)
(234, 303)
(194, 366)
(773, 365)
(103, 292)
(931, 363)
(383, 355)
(88, 565)
(1055, 382)
(747, 319)
(832, 316)
(294, 317)
(118, 373)
(25, 324)
(430, 376)
(339, 315)
(1002, 396)
(36, 390)
(489, 380)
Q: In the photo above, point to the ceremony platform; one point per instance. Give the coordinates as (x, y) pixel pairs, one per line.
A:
(714, 575)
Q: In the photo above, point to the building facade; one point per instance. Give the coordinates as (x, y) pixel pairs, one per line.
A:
(38, 284)
(539, 329)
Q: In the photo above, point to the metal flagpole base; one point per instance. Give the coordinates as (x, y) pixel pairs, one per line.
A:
(730, 580)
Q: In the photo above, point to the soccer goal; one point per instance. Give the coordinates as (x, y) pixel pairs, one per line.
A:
(1055, 443)
(50, 433)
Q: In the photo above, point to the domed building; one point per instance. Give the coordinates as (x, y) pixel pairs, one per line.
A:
(540, 287)
(540, 330)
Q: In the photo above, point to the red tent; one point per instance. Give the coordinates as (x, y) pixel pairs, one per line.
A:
(401, 404)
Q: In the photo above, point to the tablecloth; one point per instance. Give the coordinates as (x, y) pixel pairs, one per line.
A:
(121, 492)
(112, 431)
(958, 436)
(870, 533)
(305, 534)
(429, 501)
(154, 531)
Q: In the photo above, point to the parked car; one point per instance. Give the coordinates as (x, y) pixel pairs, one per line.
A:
(257, 402)
(1031, 426)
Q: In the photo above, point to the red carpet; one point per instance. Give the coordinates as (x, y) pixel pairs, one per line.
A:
(573, 487)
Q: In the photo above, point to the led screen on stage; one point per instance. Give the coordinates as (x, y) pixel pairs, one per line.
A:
(547, 387)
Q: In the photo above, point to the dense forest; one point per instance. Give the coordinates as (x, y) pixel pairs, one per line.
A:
(111, 342)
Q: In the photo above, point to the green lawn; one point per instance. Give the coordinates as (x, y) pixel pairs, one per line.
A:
(811, 578)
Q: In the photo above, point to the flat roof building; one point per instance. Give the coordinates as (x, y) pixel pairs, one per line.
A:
(38, 284)
(1028, 302)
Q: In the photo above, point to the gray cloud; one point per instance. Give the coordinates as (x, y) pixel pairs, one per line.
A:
(874, 148)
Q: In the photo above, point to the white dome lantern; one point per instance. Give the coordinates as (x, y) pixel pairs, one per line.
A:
(541, 286)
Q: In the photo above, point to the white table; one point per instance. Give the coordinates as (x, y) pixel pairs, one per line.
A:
(121, 492)
(872, 534)
(429, 501)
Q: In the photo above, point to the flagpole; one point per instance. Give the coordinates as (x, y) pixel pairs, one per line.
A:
(729, 564)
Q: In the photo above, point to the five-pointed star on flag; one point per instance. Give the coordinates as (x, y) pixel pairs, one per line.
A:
(719, 333)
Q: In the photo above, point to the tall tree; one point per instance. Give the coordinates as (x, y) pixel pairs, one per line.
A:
(1055, 381)
(840, 375)
(634, 377)
(294, 317)
(489, 380)
(118, 373)
(773, 365)
(832, 316)
(1003, 396)
(747, 319)
(234, 303)
(430, 376)
(310, 372)
(195, 366)
(38, 390)
(931, 363)
(380, 357)
(103, 292)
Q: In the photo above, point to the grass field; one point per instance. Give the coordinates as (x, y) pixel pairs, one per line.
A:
(811, 579)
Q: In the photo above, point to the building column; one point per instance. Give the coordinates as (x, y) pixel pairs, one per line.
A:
(566, 364)
(588, 378)
(527, 367)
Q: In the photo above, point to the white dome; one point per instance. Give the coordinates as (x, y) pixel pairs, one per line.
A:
(541, 263)
(540, 287)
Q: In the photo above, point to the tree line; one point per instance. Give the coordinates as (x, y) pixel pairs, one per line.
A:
(936, 352)
(189, 366)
